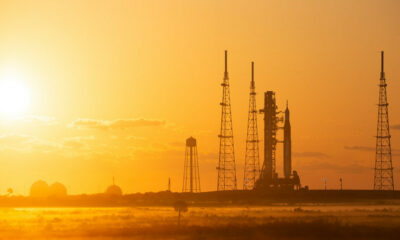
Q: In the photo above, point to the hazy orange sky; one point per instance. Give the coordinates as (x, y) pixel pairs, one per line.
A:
(117, 86)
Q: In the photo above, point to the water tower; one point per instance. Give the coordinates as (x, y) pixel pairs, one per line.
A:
(191, 177)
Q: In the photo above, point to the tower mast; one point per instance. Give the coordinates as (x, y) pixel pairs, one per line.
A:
(226, 163)
(252, 161)
(383, 179)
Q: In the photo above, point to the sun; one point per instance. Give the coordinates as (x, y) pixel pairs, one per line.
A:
(14, 97)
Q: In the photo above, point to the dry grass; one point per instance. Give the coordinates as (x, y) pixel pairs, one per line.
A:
(307, 222)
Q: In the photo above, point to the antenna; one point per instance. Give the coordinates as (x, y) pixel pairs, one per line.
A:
(252, 158)
(382, 64)
(252, 74)
(226, 161)
(226, 61)
(383, 179)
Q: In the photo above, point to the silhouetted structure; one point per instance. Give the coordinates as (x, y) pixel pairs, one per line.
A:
(287, 145)
(270, 129)
(191, 176)
(226, 163)
(383, 162)
(269, 177)
(57, 190)
(113, 190)
(252, 158)
(41, 189)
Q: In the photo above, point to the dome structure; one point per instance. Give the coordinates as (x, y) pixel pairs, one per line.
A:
(57, 190)
(114, 190)
(39, 189)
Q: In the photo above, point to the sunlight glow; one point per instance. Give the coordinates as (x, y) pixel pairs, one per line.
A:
(14, 96)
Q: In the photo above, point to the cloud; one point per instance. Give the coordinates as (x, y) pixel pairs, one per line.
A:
(360, 148)
(310, 155)
(44, 120)
(27, 143)
(395, 152)
(350, 168)
(85, 123)
(179, 144)
(44, 146)
(395, 127)
(134, 138)
(77, 142)
(209, 155)
(74, 144)
(7, 139)
(81, 138)
(210, 158)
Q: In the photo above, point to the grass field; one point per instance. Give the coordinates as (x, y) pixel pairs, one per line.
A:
(275, 222)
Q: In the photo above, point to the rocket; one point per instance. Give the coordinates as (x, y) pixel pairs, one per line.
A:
(287, 145)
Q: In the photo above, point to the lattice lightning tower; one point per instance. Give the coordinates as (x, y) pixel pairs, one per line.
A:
(383, 161)
(226, 164)
(252, 161)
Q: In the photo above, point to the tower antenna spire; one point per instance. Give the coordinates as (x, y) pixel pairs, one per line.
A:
(382, 61)
(226, 64)
(252, 75)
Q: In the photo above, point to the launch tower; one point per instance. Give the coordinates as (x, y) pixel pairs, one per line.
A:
(270, 129)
